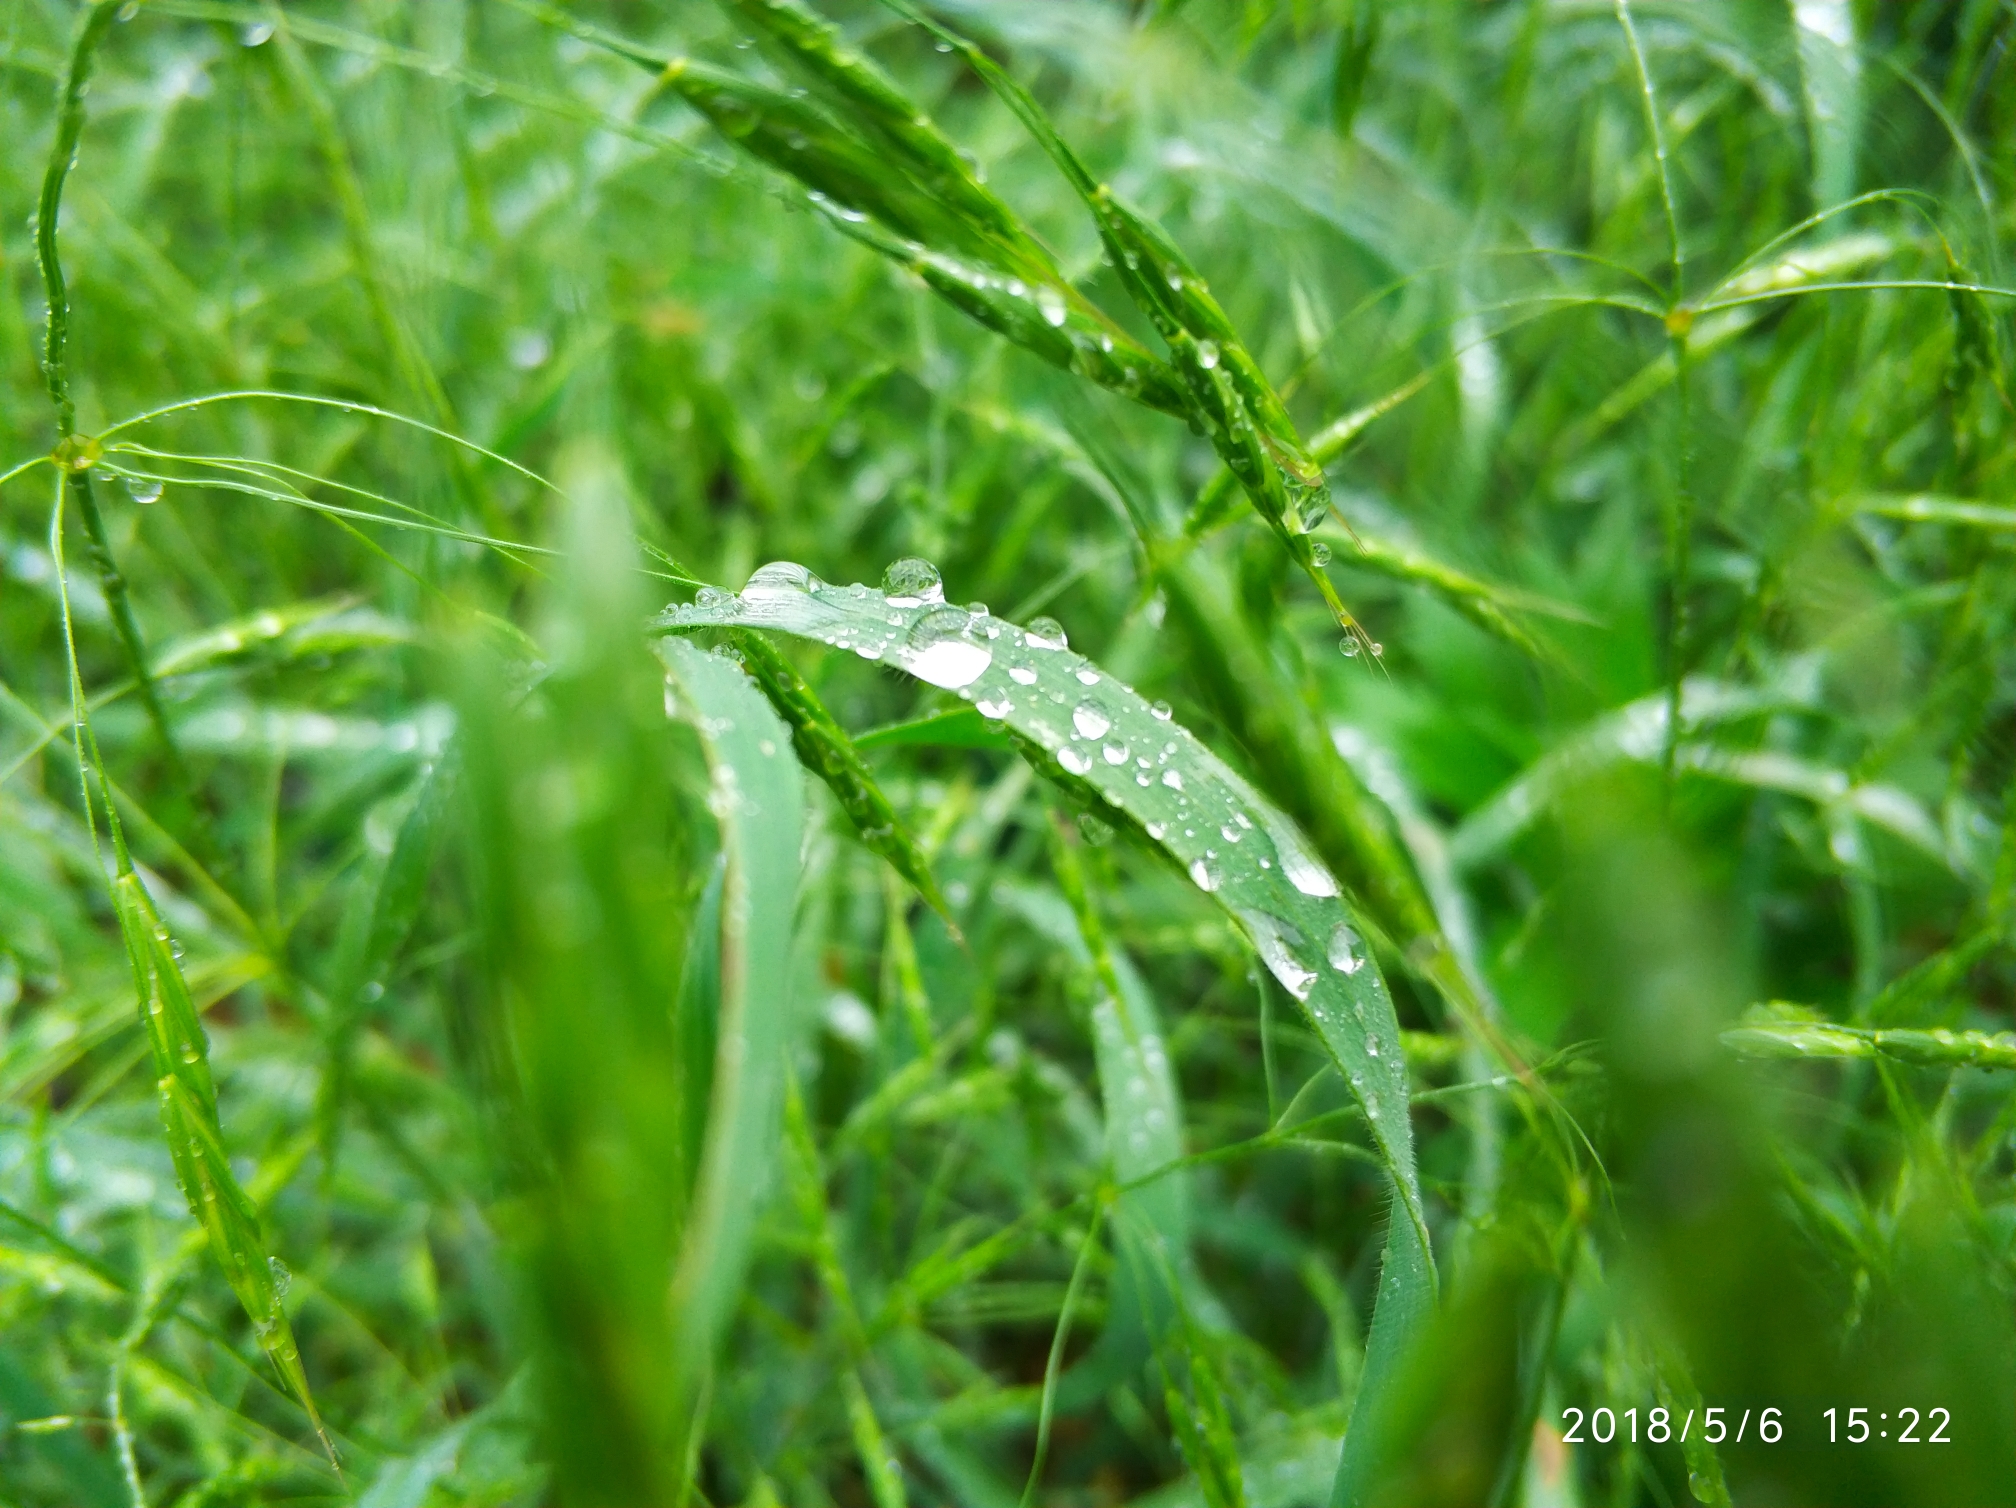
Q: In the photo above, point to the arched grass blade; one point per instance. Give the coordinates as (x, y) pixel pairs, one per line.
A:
(1104, 743)
(758, 803)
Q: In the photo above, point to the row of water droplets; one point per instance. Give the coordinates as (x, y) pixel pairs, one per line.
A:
(1100, 731)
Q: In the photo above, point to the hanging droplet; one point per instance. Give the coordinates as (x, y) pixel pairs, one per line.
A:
(1046, 633)
(1349, 644)
(1320, 553)
(143, 489)
(911, 582)
(255, 34)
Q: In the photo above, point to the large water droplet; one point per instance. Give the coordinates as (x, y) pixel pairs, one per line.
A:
(1021, 675)
(1046, 633)
(1076, 760)
(911, 582)
(143, 489)
(1320, 553)
(1173, 780)
(1115, 752)
(1303, 872)
(940, 652)
(1090, 721)
(1207, 351)
(1349, 644)
(996, 707)
(1276, 941)
(1205, 876)
(780, 578)
(1343, 951)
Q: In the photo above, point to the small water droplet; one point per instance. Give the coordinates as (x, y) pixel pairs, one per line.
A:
(1076, 760)
(1046, 633)
(255, 34)
(282, 1278)
(1349, 645)
(1086, 676)
(911, 582)
(1205, 876)
(1090, 721)
(1021, 675)
(1207, 351)
(1051, 302)
(977, 609)
(1378, 650)
(143, 489)
(717, 600)
(1162, 710)
(1231, 834)
(1371, 1046)
(1115, 753)
(1343, 951)
(1320, 553)
(1155, 830)
(996, 707)
(190, 1053)
(1172, 779)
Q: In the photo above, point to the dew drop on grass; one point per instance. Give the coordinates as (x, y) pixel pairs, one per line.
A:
(994, 707)
(780, 577)
(1077, 761)
(255, 34)
(1163, 711)
(1343, 951)
(1051, 302)
(282, 1278)
(1090, 721)
(1021, 675)
(910, 582)
(716, 599)
(1207, 351)
(1115, 753)
(1205, 876)
(1320, 553)
(1172, 779)
(941, 653)
(143, 489)
(1046, 633)
(1349, 644)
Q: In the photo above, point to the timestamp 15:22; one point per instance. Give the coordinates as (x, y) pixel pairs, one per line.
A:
(1857, 1428)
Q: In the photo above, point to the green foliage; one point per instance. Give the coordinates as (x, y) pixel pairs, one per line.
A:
(452, 1054)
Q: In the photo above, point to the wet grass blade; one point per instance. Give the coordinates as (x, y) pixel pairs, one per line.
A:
(1131, 763)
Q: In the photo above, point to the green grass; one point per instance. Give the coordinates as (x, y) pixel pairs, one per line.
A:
(1467, 876)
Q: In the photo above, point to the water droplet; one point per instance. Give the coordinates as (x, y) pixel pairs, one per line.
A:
(1076, 760)
(910, 582)
(717, 601)
(1320, 553)
(1097, 833)
(282, 1278)
(1086, 676)
(1173, 780)
(1378, 650)
(1155, 830)
(255, 34)
(995, 707)
(1162, 710)
(1051, 302)
(780, 578)
(869, 649)
(143, 489)
(1371, 1046)
(1115, 753)
(1343, 951)
(1090, 721)
(1046, 633)
(977, 609)
(1207, 352)
(1303, 872)
(1349, 644)
(372, 993)
(1205, 876)
(190, 1053)
(1231, 833)
(940, 652)
(1021, 675)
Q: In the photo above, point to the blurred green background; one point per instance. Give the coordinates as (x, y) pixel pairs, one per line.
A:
(1658, 358)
